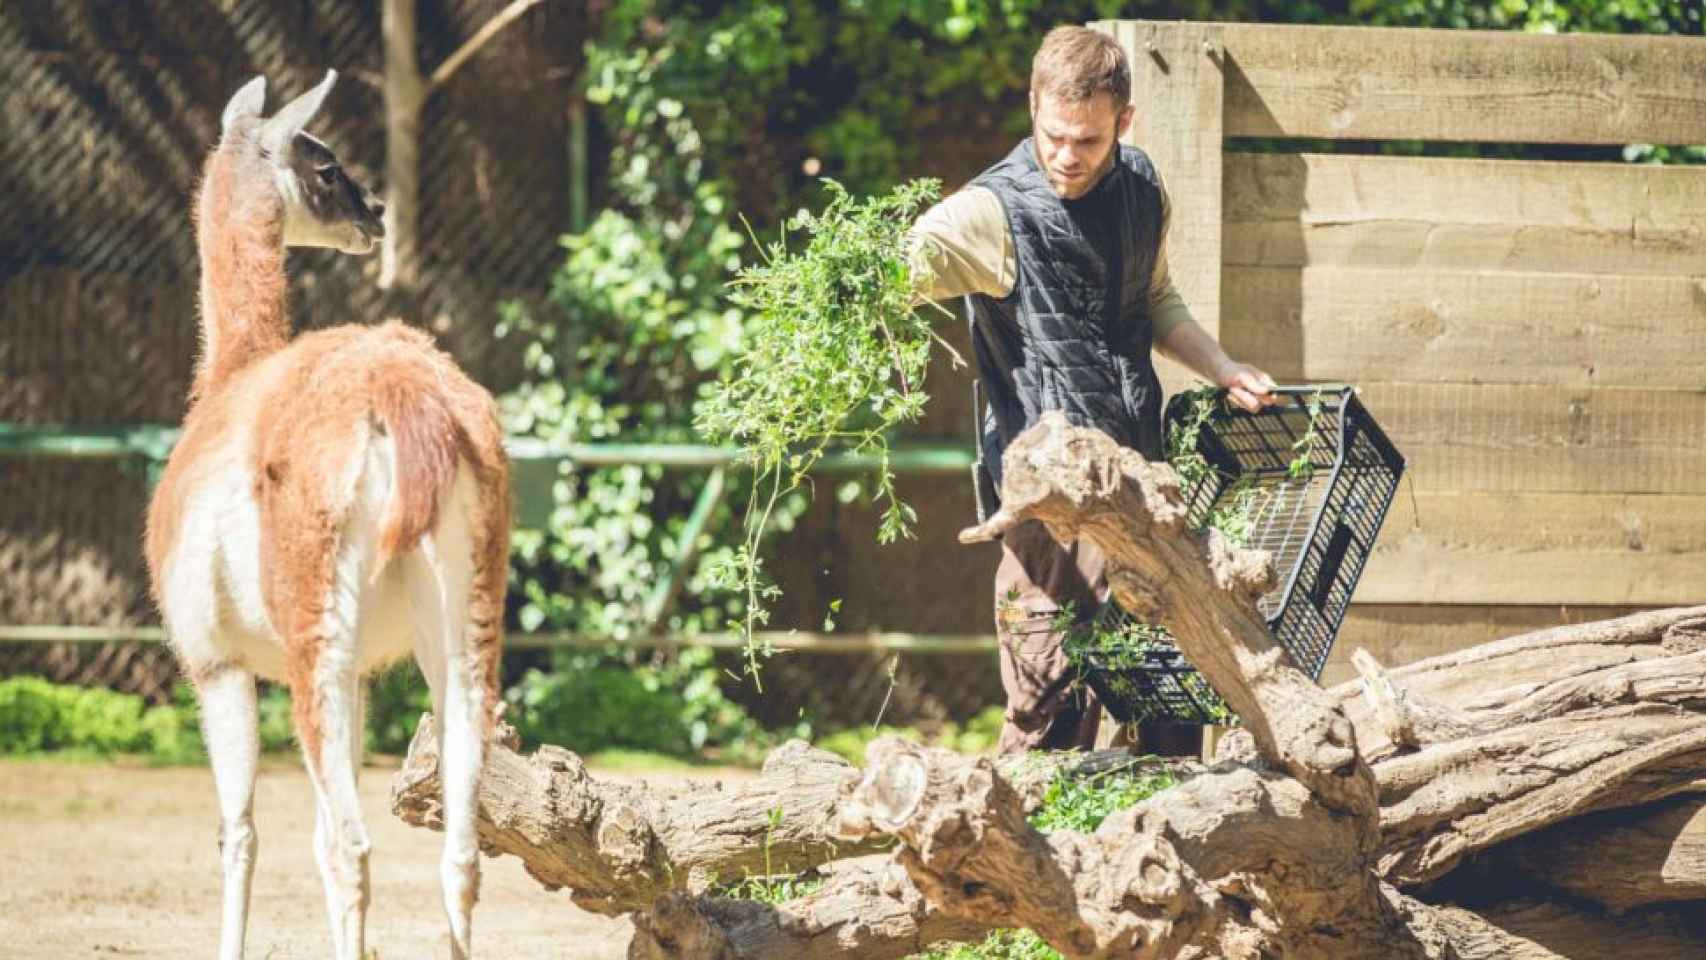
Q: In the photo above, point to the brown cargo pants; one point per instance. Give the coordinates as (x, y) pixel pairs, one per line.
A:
(1047, 709)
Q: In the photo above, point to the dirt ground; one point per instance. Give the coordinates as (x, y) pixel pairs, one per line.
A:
(122, 861)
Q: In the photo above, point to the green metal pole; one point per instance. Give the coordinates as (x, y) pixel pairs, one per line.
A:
(686, 550)
(905, 459)
(153, 441)
(577, 163)
(843, 642)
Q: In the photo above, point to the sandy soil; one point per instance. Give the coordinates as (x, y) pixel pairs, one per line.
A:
(122, 861)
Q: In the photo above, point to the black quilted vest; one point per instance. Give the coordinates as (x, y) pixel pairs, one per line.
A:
(1074, 334)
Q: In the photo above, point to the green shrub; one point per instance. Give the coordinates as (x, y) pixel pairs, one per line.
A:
(278, 731)
(605, 700)
(979, 735)
(395, 701)
(999, 945)
(36, 715)
(30, 716)
(172, 731)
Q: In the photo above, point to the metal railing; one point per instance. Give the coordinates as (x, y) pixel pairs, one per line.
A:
(535, 467)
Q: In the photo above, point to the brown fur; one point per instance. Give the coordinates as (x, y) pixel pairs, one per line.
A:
(309, 408)
(243, 309)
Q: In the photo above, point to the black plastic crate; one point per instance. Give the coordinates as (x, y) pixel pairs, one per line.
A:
(1314, 500)
(1138, 674)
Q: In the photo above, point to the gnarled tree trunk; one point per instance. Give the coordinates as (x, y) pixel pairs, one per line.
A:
(1335, 821)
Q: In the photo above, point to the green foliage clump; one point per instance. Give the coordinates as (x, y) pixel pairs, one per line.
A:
(601, 700)
(396, 699)
(770, 886)
(590, 701)
(1082, 803)
(835, 359)
(998, 945)
(979, 735)
(37, 716)
(1535, 16)
(638, 327)
(779, 889)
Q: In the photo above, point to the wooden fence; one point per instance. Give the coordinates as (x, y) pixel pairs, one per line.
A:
(1531, 334)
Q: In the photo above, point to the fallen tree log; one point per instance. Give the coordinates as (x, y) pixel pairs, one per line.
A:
(865, 908)
(620, 847)
(1621, 859)
(1080, 483)
(1322, 839)
(1529, 929)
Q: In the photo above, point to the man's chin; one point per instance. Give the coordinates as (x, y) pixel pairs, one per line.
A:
(1068, 189)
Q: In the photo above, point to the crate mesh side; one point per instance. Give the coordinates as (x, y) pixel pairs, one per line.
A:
(1165, 687)
(1333, 563)
(1253, 455)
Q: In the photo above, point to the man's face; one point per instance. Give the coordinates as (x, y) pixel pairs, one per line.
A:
(1076, 140)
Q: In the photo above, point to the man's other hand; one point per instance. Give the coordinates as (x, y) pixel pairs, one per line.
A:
(1248, 387)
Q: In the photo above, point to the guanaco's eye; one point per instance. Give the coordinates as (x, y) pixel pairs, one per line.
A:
(328, 174)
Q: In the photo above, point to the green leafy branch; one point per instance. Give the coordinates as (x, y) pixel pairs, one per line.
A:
(835, 360)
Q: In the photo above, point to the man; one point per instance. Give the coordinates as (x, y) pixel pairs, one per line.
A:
(1059, 249)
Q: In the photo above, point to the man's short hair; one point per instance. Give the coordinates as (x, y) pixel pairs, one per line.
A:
(1075, 64)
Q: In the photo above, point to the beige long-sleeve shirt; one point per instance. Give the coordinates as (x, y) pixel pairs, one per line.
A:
(962, 246)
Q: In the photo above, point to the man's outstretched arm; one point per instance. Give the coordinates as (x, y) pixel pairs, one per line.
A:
(960, 246)
(1179, 337)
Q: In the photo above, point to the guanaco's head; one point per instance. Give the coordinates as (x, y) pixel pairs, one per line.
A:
(321, 205)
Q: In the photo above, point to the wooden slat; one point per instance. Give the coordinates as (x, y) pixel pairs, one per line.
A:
(1450, 214)
(1544, 439)
(1393, 83)
(1403, 633)
(1539, 549)
(1180, 68)
(1357, 325)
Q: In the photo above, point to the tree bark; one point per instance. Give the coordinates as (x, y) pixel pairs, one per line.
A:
(1621, 859)
(866, 908)
(619, 848)
(1535, 930)
(1555, 725)
(405, 96)
(1316, 841)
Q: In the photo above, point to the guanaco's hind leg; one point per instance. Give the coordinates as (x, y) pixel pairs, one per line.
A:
(326, 700)
(441, 581)
(229, 729)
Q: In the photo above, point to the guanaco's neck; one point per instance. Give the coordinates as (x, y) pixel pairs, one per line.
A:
(240, 236)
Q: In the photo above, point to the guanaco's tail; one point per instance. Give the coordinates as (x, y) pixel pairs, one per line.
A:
(439, 420)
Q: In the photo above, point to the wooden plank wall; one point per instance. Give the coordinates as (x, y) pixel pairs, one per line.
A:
(1532, 335)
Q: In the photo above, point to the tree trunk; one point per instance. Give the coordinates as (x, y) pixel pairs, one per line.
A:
(1620, 859)
(407, 89)
(618, 848)
(405, 96)
(1344, 807)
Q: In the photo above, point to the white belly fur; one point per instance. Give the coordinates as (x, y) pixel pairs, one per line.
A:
(214, 605)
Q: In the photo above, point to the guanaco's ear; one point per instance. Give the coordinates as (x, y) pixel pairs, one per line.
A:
(284, 125)
(246, 102)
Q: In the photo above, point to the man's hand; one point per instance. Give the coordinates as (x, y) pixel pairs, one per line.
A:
(1247, 386)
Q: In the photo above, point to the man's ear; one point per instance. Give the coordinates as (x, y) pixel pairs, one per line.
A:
(1125, 121)
(1033, 105)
